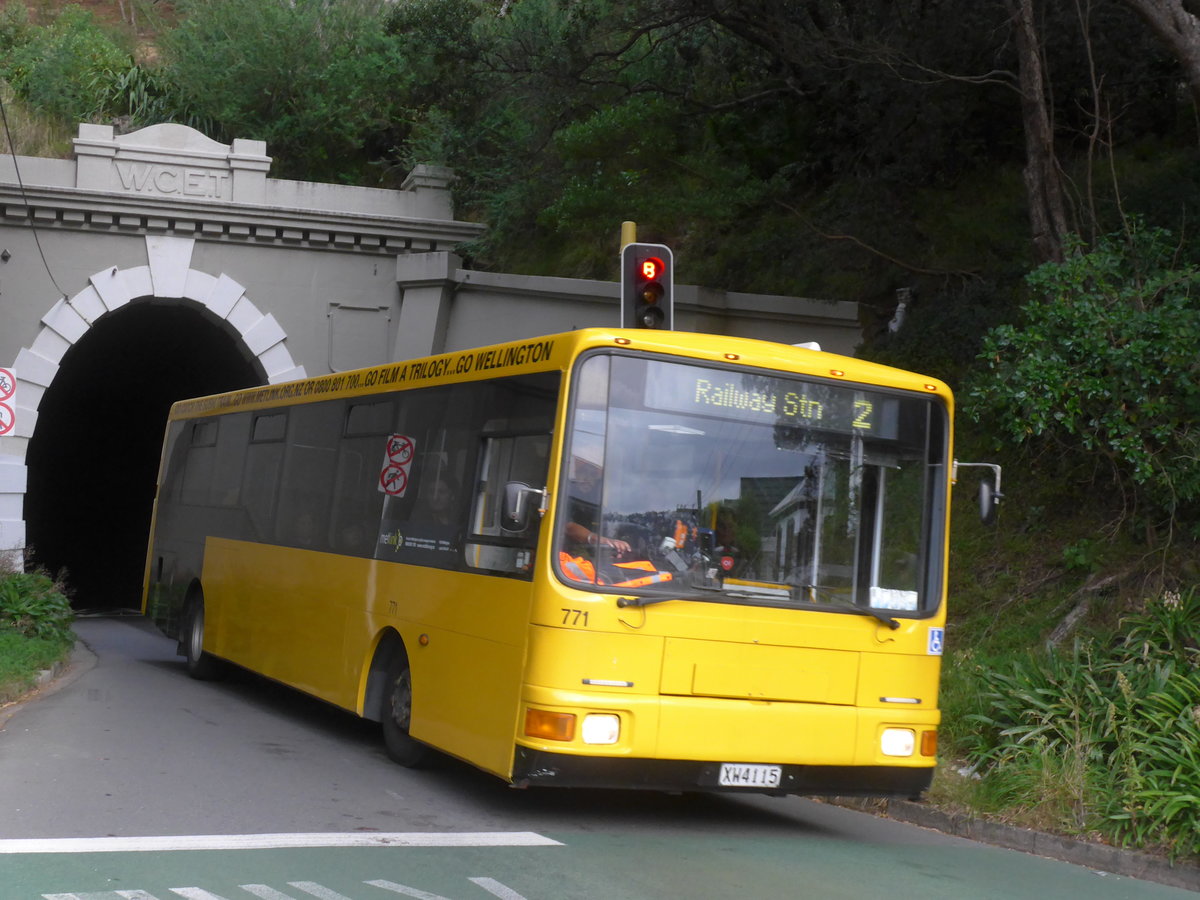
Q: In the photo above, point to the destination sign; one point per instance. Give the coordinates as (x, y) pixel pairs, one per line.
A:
(770, 400)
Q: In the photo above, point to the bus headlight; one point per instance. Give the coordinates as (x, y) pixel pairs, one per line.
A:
(601, 729)
(897, 742)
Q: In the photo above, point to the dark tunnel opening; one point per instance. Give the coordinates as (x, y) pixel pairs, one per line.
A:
(93, 458)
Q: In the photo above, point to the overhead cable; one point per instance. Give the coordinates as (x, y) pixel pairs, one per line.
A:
(12, 149)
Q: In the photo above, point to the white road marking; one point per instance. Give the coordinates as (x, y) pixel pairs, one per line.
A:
(309, 887)
(406, 891)
(276, 842)
(265, 892)
(316, 890)
(496, 889)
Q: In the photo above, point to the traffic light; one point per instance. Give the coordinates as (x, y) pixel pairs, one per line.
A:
(647, 286)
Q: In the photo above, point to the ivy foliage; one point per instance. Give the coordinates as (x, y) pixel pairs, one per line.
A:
(1103, 363)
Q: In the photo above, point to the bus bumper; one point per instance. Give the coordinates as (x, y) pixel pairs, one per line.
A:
(539, 768)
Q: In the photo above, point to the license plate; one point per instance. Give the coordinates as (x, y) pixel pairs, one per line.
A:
(749, 776)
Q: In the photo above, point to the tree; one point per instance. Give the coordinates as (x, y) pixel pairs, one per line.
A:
(1103, 366)
(1043, 180)
(313, 79)
(70, 68)
(1179, 30)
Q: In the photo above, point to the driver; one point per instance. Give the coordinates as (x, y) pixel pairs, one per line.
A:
(583, 511)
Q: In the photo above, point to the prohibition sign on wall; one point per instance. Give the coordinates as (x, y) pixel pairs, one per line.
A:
(8, 387)
(397, 461)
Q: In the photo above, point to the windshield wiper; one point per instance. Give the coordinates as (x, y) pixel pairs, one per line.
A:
(664, 596)
(832, 599)
(700, 593)
(625, 602)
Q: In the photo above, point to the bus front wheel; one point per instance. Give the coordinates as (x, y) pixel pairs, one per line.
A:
(397, 715)
(200, 665)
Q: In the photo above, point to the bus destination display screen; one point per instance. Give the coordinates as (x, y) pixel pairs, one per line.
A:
(751, 397)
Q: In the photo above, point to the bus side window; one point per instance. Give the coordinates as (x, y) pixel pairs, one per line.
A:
(506, 459)
(309, 467)
(260, 486)
(175, 450)
(357, 500)
(200, 463)
(231, 456)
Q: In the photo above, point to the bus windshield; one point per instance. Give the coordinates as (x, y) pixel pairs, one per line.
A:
(751, 487)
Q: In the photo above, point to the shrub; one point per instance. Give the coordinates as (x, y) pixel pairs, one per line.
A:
(1103, 366)
(1113, 726)
(313, 79)
(14, 27)
(71, 68)
(35, 605)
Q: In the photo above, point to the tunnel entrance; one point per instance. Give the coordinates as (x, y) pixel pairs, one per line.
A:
(93, 457)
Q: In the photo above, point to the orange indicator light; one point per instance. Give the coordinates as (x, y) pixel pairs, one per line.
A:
(549, 726)
(929, 743)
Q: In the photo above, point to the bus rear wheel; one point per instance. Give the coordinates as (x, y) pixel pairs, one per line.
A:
(200, 665)
(397, 715)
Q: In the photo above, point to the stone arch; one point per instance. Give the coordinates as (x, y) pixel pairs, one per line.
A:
(166, 276)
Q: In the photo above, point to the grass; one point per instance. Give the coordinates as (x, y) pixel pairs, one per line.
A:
(22, 658)
(1023, 738)
(35, 627)
(32, 133)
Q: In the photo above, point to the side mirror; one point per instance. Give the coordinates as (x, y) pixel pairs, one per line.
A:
(516, 513)
(988, 501)
(989, 490)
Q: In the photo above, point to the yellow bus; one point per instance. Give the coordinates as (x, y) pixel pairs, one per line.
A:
(607, 558)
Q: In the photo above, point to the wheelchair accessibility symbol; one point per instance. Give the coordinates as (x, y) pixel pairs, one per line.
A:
(937, 640)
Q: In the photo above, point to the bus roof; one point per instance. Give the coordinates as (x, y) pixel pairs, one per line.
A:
(556, 352)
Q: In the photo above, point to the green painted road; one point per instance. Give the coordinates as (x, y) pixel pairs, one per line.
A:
(531, 866)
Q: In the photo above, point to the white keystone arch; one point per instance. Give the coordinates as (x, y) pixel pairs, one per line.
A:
(168, 275)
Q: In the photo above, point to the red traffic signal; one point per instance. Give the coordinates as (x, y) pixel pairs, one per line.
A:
(647, 285)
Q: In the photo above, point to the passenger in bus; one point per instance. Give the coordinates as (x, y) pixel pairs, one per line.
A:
(439, 501)
(306, 531)
(437, 515)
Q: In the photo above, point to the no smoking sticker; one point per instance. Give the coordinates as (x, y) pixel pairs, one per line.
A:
(397, 460)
